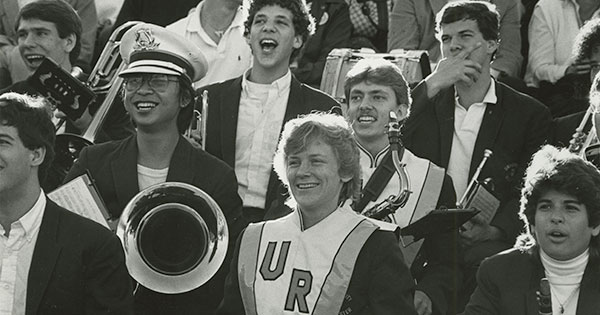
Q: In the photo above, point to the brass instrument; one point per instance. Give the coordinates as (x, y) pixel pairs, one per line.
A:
(175, 237)
(103, 79)
(392, 203)
(197, 128)
(581, 140)
(487, 153)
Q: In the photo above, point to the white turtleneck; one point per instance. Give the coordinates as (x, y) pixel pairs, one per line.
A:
(565, 279)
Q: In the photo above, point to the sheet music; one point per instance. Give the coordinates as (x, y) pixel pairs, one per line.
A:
(482, 200)
(80, 196)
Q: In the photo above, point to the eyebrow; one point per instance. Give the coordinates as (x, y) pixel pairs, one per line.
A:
(36, 29)
(6, 136)
(369, 92)
(568, 201)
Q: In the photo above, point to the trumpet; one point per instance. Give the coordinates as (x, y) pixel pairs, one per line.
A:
(581, 140)
(197, 128)
(392, 203)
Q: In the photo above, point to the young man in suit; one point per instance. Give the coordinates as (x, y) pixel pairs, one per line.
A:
(158, 95)
(246, 114)
(460, 110)
(53, 261)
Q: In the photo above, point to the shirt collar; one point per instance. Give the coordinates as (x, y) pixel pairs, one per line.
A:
(375, 160)
(195, 25)
(282, 84)
(32, 219)
(489, 98)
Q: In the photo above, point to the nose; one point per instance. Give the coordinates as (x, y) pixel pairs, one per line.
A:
(27, 40)
(304, 169)
(365, 103)
(268, 26)
(455, 45)
(145, 87)
(557, 217)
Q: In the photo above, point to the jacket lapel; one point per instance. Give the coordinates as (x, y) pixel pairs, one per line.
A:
(124, 173)
(588, 302)
(445, 117)
(488, 132)
(45, 255)
(180, 162)
(229, 110)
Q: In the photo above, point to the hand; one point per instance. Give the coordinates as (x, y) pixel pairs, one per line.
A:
(82, 123)
(423, 303)
(582, 67)
(454, 69)
(478, 231)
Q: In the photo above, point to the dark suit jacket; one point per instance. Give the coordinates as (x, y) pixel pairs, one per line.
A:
(113, 166)
(513, 129)
(78, 267)
(224, 103)
(507, 284)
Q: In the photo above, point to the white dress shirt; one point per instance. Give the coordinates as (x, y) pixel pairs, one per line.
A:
(226, 60)
(16, 252)
(262, 107)
(466, 129)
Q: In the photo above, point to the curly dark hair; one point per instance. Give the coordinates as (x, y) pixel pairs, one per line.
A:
(558, 169)
(32, 118)
(587, 39)
(61, 14)
(304, 23)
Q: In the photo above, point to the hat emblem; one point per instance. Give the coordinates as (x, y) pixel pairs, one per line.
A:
(144, 40)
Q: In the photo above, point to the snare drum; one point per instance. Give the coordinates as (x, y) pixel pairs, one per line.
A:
(414, 65)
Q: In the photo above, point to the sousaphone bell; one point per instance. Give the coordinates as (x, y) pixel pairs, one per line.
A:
(175, 237)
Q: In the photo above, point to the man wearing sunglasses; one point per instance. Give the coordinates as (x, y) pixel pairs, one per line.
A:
(158, 94)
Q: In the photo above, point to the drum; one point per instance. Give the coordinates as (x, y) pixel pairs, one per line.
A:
(414, 65)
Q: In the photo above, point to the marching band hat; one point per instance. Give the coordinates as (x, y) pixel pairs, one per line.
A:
(149, 48)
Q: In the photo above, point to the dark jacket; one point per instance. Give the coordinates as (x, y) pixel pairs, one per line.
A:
(507, 284)
(113, 166)
(78, 267)
(224, 104)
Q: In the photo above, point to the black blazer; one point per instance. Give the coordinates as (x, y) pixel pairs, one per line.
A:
(514, 128)
(113, 166)
(223, 108)
(78, 267)
(507, 284)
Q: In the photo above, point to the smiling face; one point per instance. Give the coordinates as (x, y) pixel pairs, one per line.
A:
(18, 164)
(463, 34)
(369, 106)
(38, 39)
(272, 38)
(561, 225)
(152, 110)
(314, 178)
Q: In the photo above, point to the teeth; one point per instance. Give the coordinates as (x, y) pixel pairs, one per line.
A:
(305, 186)
(366, 119)
(33, 58)
(145, 105)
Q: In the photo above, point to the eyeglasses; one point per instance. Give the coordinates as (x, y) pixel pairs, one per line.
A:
(157, 82)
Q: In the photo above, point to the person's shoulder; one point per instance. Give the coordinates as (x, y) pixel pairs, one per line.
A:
(507, 259)
(105, 147)
(77, 226)
(514, 98)
(209, 161)
(220, 86)
(322, 100)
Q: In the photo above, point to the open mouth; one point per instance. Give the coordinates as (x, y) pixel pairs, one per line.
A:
(557, 235)
(268, 45)
(145, 106)
(307, 186)
(34, 59)
(366, 119)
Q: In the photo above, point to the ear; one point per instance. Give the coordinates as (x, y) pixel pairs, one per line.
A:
(596, 230)
(69, 42)
(297, 42)
(402, 111)
(37, 156)
(492, 46)
(185, 99)
(346, 178)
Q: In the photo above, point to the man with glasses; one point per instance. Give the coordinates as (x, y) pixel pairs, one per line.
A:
(159, 97)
